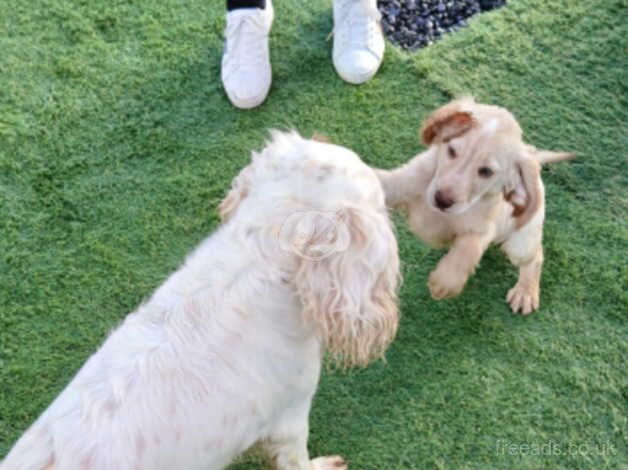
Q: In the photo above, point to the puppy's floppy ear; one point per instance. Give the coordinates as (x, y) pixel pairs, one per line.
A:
(350, 294)
(239, 190)
(447, 122)
(524, 189)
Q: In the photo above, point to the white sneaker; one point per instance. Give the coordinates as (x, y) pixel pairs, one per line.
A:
(246, 72)
(358, 39)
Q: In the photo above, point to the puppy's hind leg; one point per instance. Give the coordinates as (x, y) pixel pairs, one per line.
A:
(524, 296)
(287, 445)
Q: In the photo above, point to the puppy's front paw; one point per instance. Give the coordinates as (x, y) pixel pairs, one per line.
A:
(329, 463)
(444, 283)
(523, 298)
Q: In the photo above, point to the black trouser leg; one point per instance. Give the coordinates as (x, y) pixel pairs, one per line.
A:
(235, 4)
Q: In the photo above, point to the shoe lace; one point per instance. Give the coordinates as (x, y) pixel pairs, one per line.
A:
(359, 18)
(245, 39)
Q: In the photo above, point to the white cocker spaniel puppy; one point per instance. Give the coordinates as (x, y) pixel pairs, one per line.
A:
(227, 352)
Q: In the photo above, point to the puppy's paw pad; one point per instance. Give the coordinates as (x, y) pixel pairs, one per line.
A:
(329, 463)
(522, 299)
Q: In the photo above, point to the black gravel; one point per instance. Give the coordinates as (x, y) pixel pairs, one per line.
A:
(412, 24)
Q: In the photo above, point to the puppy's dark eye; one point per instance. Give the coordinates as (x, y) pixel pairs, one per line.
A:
(451, 152)
(485, 172)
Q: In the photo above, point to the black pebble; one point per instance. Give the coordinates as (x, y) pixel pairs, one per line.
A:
(412, 24)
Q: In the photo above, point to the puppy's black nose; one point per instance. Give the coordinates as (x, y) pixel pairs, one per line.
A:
(443, 201)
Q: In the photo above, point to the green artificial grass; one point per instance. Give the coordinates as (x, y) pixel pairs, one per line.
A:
(117, 142)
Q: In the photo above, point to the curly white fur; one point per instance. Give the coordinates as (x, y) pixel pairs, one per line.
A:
(227, 352)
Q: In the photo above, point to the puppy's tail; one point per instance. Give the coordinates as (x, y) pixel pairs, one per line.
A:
(321, 138)
(33, 451)
(547, 156)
